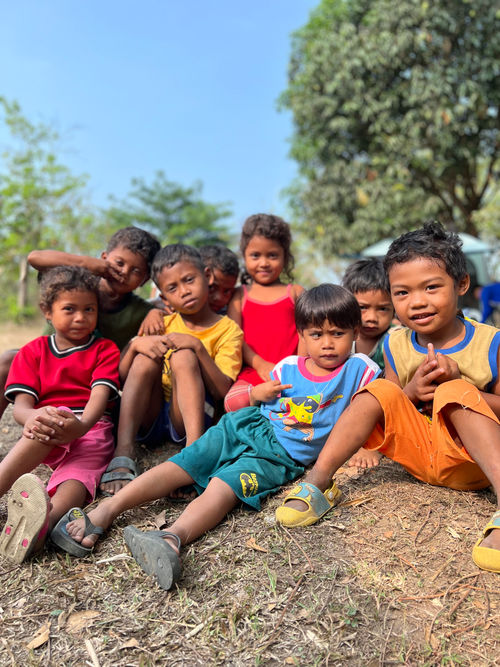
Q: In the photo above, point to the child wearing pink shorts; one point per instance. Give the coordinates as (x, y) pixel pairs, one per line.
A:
(61, 386)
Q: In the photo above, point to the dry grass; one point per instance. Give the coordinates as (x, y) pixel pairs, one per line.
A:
(384, 579)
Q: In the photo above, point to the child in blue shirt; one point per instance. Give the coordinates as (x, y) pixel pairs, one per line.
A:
(251, 452)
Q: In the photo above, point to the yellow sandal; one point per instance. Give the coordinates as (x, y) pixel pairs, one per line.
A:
(485, 557)
(318, 503)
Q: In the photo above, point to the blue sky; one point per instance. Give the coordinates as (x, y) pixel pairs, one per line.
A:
(187, 86)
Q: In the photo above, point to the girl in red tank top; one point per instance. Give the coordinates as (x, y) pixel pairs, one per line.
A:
(263, 306)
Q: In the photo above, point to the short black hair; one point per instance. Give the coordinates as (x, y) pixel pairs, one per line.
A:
(136, 240)
(66, 279)
(366, 275)
(433, 242)
(218, 256)
(172, 254)
(327, 302)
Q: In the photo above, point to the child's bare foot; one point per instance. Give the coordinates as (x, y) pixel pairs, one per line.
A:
(100, 516)
(184, 494)
(364, 458)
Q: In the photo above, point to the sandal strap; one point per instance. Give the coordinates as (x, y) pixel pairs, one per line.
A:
(311, 495)
(122, 462)
(167, 533)
(117, 475)
(90, 529)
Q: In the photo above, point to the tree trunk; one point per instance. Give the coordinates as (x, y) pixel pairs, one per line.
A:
(22, 288)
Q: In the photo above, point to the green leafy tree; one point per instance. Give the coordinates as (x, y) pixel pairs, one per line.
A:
(39, 199)
(396, 114)
(175, 214)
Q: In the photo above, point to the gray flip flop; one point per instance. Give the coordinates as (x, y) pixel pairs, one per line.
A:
(63, 539)
(111, 474)
(154, 555)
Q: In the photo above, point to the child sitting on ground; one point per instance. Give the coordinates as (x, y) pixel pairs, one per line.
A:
(367, 280)
(250, 453)
(223, 270)
(437, 413)
(200, 354)
(123, 267)
(61, 386)
(264, 309)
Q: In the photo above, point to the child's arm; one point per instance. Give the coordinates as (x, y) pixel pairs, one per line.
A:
(47, 259)
(235, 305)
(217, 382)
(266, 392)
(153, 324)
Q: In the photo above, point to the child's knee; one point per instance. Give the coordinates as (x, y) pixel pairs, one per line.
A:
(459, 392)
(144, 366)
(184, 360)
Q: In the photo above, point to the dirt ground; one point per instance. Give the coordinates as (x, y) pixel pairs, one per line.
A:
(385, 579)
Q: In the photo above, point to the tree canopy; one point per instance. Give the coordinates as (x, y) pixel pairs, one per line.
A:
(174, 213)
(396, 115)
(39, 199)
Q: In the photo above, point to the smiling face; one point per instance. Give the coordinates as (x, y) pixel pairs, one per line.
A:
(131, 266)
(264, 260)
(184, 287)
(376, 312)
(328, 346)
(74, 317)
(425, 298)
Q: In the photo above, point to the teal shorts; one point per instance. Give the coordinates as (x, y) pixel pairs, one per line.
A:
(242, 451)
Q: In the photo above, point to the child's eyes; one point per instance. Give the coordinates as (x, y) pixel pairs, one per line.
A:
(400, 292)
(431, 287)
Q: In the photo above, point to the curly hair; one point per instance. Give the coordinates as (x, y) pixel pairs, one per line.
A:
(66, 279)
(219, 257)
(137, 241)
(270, 227)
(433, 242)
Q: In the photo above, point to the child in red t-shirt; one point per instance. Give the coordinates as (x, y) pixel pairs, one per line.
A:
(265, 309)
(61, 386)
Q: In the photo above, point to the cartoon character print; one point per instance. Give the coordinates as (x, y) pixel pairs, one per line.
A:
(298, 412)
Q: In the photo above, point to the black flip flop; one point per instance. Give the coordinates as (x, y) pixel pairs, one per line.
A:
(63, 539)
(154, 555)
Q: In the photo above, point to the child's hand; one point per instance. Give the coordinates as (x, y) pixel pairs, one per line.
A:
(449, 367)
(153, 324)
(423, 384)
(46, 425)
(263, 368)
(267, 391)
(154, 347)
(180, 341)
(111, 272)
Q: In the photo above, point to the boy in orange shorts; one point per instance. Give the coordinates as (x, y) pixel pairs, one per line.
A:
(437, 412)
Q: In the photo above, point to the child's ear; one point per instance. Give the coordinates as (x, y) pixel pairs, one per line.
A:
(104, 255)
(208, 273)
(356, 331)
(463, 285)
